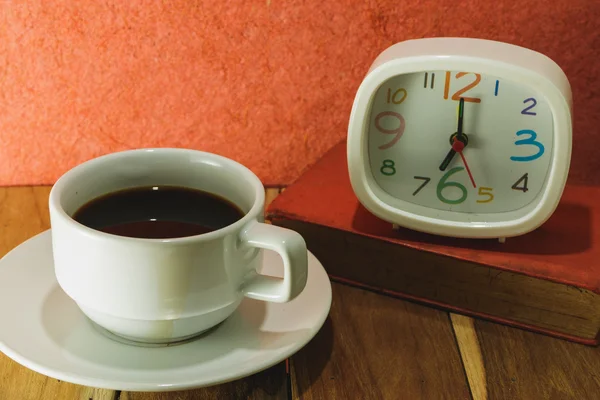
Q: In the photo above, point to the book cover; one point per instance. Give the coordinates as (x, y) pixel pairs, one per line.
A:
(546, 281)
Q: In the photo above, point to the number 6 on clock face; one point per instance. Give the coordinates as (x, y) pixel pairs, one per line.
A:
(475, 144)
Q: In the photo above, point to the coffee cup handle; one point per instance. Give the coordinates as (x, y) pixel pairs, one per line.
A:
(290, 245)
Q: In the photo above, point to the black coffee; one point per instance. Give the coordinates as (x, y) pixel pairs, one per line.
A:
(158, 212)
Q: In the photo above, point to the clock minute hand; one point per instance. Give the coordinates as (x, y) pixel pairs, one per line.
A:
(459, 135)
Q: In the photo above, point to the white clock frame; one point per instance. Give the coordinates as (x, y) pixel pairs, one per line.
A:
(502, 60)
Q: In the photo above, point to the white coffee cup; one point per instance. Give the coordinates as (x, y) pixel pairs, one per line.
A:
(168, 290)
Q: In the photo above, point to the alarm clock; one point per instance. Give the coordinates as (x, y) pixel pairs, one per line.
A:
(461, 137)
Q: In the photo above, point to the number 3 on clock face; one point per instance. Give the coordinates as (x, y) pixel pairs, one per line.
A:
(531, 140)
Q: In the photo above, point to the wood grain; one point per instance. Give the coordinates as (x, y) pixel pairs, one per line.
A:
(470, 352)
(524, 365)
(270, 195)
(23, 214)
(371, 347)
(377, 347)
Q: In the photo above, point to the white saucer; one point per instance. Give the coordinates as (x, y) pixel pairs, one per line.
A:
(42, 329)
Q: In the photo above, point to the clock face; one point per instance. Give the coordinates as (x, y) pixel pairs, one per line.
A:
(497, 162)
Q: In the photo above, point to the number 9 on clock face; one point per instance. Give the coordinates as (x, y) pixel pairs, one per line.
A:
(461, 137)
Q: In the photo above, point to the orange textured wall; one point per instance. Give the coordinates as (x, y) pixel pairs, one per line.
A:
(268, 83)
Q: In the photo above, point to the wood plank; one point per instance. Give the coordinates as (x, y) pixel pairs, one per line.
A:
(270, 384)
(90, 393)
(524, 365)
(378, 347)
(470, 352)
(270, 194)
(23, 214)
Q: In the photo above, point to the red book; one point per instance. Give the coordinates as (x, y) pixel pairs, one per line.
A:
(545, 281)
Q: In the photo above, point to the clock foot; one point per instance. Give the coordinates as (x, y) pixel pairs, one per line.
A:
(502, 240)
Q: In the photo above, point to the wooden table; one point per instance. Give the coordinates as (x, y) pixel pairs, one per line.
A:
(371, 347)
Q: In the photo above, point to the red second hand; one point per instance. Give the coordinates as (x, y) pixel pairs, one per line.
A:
(458, 147)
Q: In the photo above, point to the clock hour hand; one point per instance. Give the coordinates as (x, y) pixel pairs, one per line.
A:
(459, 137)
(447, 160)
